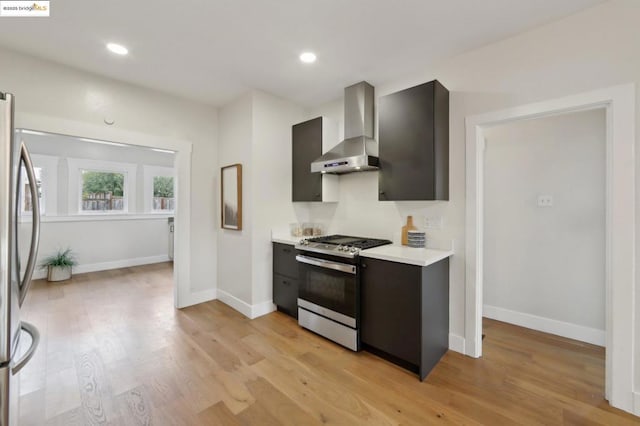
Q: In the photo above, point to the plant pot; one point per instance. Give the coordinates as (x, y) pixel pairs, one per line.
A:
(58, 273)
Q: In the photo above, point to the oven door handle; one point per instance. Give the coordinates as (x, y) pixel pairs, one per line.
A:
(327, 264)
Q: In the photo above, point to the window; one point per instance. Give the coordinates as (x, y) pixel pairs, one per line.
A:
(163, 199)
(26, 203)
(99, 187)
(159, 189)
(102, 191)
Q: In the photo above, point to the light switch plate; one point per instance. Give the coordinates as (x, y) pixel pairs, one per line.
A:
(545, 200)
(433, 222)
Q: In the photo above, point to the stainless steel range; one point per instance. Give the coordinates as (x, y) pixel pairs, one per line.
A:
(329, 292)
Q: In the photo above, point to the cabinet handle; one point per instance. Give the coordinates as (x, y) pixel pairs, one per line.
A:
(286, 283)
(364, 266)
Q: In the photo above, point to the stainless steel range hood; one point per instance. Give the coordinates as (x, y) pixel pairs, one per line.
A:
(358, 151)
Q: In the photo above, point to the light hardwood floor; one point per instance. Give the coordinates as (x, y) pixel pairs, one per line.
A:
(114, 351)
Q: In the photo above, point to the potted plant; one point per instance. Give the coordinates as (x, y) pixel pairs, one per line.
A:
(59, 265)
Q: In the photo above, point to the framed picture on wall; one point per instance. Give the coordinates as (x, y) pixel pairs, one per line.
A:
(231, 196)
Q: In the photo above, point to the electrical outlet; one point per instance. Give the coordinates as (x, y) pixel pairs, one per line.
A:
(545, 200)
(433, 222)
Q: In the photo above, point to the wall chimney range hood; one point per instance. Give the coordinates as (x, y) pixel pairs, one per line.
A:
(358, 151)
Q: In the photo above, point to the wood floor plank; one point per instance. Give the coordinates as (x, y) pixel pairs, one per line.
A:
(95, 391)
(279, 405)
(324, 402)
(74, 417)
(218, 414)
(114, 350)
(135, 407)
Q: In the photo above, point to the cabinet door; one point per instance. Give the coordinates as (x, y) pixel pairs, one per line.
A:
(306, 147)
(285, 294)
(414, 144)
(390, 308)
(284, 260)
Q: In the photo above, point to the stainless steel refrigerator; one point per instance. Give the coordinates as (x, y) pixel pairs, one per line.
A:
(14, 285)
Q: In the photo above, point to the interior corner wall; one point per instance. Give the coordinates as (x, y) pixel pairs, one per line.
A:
(271, 159)
(547, 261)
(235, 144)
(255, 130)
(49, 89)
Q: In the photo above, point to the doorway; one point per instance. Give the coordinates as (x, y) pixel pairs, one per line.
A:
(544, 224)
(107, 203)
(182, 165)
(619, 104)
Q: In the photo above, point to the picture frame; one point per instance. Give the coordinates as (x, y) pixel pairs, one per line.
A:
(231, 197)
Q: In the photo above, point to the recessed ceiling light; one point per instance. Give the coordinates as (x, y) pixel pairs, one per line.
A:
(118, 49)
(308, 57)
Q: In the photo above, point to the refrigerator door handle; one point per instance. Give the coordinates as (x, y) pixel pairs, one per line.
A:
(35, 341)
(35, 214)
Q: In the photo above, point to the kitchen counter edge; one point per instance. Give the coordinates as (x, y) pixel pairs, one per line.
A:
(285, 239)
(407, 255)
(392, 253)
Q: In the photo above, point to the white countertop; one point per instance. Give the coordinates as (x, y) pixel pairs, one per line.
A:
(285, 238)
(408, 255)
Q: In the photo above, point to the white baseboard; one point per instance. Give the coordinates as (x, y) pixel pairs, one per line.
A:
(547, 325)
(456, 343)
(104, 266)
(261, 309)
(249, 311)
(199, 297)
(239, 305)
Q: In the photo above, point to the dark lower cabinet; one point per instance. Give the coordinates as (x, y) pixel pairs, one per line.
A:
(285, 294)
(285, 279)
(405, 312)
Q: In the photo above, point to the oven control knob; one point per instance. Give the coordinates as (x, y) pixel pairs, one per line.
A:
(354, 250)
(304, 242)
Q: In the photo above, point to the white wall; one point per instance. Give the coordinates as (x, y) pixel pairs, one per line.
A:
(271, 182)
(546, 261)
(101, 245)
(590, 50)
(255, 130)
(234, 255)
(45, 88)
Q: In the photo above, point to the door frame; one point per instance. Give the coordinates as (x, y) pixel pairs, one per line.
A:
(619, 103)
(182, 163)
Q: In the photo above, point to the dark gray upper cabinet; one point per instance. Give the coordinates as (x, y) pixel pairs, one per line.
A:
(413, 136)
(308, 141)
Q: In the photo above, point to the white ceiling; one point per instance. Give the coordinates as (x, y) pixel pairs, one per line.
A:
(215, 50)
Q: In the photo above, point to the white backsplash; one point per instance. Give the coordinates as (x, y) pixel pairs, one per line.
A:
(360, 213)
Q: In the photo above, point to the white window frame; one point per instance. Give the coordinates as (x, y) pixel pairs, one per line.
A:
(149, 173)
(77, 165)
(49, 166)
